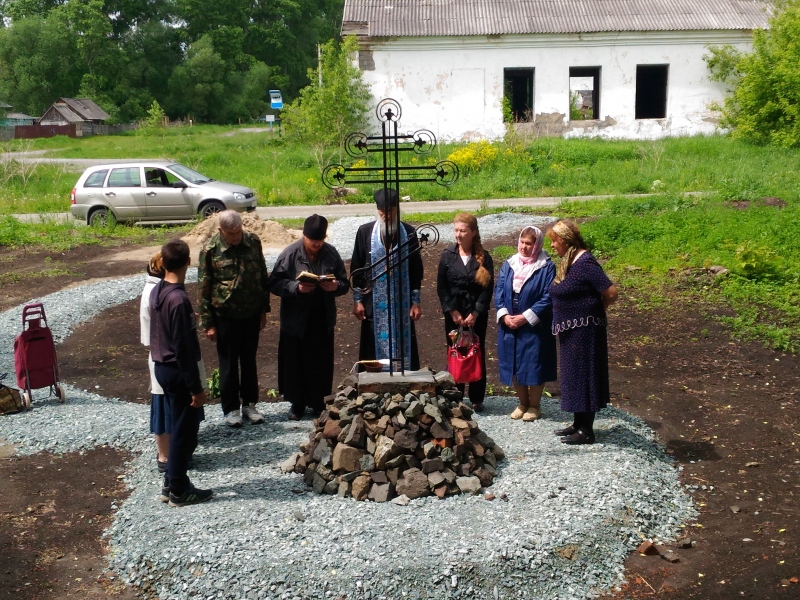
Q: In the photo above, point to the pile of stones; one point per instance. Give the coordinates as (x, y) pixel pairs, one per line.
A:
(384, 446)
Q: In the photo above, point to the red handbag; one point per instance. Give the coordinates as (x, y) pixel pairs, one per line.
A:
(464, 357)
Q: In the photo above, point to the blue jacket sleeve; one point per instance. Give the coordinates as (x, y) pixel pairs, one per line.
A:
(544, 305)
(500, 300)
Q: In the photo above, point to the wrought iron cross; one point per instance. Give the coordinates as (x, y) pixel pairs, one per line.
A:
(390, 175)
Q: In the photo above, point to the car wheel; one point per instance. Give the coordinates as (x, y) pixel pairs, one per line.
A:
(99, 218)
(209, 209)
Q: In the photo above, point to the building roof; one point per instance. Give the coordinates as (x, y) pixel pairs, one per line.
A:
(66, 114)
(405, 18)
(19, 116)
(84, 108)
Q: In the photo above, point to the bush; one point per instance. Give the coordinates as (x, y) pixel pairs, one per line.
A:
(764, 107)
(474, 156)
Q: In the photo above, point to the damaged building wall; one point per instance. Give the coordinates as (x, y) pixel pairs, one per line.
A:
(454, 85)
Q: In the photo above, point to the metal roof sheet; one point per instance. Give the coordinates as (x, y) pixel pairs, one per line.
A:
(390, 18)
(86, 108)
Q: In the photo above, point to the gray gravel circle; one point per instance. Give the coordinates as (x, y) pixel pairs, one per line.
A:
(569, 517)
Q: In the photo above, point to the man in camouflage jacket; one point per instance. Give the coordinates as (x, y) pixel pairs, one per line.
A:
(233, 306)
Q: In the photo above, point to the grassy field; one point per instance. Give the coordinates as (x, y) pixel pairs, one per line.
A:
(286, 173)
(658, 248)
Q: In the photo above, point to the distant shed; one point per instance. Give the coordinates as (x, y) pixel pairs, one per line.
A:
(13, 119)
(66, 111)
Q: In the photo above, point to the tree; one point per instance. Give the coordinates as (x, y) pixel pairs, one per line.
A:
(38, 63)
(324, 115)
(764, 106)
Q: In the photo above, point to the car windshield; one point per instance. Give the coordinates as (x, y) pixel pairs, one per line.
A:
(188, 174)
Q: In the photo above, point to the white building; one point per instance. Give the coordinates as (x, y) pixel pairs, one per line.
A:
(630, 68)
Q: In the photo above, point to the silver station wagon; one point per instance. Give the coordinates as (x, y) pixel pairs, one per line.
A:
(153, 191)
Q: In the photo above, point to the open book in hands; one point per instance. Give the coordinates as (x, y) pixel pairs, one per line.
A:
(314, 279)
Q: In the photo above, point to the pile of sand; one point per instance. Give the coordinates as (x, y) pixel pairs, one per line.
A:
(272, 234)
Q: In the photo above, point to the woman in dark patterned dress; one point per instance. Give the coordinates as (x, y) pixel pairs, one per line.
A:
(581, 293)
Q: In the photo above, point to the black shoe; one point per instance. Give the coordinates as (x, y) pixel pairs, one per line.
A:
(578, 438)
(190, 496)
(293, 417)
(478, 407)
(164, 497)
(161, 466)
(566, 431)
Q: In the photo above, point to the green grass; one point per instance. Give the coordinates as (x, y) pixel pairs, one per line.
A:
(284, 172)
(662, 246)
(63, 236)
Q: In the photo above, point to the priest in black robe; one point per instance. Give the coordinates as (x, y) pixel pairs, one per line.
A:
(308, 316)
(385, 336)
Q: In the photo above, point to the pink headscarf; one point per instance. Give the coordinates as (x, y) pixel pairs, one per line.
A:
(524, 267)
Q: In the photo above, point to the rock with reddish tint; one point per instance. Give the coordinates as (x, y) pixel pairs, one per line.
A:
(440, 491)
(457, 423)
(671, 558)
(380, 492)
(413, 483)
(436, 479)
(357, 434)
(393, 475)
(359, 489)
(325, 473)
(332, 429)
(429, 465)
(379, 477)
(484, 477)
(489, 497)
(648, 548)
(346, 458)
(442, 430)
(406, 439)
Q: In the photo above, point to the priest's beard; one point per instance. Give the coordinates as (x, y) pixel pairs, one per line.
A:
(390, 228)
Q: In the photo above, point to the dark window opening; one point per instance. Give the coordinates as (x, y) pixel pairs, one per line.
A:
(584, 93)
(651, 91)
(518, 95)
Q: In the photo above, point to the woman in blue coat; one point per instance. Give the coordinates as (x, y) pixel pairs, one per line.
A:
(526, 347)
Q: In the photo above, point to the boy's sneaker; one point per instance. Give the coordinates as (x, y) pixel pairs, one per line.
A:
(251, 413)
(234, 418)
(161, 466)
(190, 496)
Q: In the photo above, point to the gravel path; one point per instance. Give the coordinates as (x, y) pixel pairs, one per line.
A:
(561, 526)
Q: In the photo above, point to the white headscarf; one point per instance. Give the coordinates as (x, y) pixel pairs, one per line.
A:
(525, 267)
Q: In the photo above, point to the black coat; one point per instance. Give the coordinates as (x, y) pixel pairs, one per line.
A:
(283, 283)
(456, 284)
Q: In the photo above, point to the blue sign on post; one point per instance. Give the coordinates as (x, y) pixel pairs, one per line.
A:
(275, 99)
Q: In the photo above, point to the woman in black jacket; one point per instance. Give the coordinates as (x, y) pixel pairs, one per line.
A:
(464, 284)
